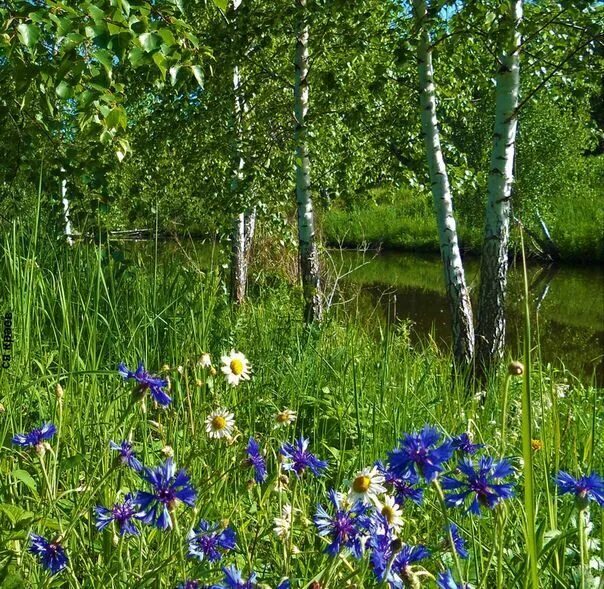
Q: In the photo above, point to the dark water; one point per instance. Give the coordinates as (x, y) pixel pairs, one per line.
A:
(567, 304)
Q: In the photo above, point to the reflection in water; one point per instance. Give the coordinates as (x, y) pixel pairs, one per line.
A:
(567, 304)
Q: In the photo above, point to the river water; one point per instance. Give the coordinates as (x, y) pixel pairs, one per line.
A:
(566, 304)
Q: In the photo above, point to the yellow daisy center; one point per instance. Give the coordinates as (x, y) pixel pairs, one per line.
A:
(388, 513)
(218, 422)
(361, 484)
(282, 417)
(236, 366)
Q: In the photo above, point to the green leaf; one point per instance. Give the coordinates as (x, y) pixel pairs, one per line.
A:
(149, 41)
(15, 513)
(167, 37)
(174, 74)
(104, 57)
(198, 73)
(25, 478)
(222, 4)
(29, 34)
(64, 90)
(136, 56)
(161, 62)
(116, 118)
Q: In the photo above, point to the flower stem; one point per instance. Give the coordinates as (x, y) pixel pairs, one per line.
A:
(441, 498)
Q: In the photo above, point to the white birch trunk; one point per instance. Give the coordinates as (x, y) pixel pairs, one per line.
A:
(490, 329)
(455, 283)
(241, 239)
(308, 254)
(68, 228)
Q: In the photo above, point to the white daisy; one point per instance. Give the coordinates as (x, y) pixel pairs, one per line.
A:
(391, 511)
(205, 361)
(236, 367)
(367, 485)
(283, 524)
(220, 424)
(285, 418)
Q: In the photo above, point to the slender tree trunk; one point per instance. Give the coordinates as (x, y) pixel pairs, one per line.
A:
(68, 229)
(308, 254)
(244, 224)
(490, 329)
(455, 283)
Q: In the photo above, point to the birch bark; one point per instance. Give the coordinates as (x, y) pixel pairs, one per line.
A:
(68, 228)
(455, 283)
(308, 254)
(244, 225)
(490, 328)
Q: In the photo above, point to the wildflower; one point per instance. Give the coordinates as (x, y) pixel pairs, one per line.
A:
(207, 542)
(190, 584)
(283, 524)
(51, 555)
(480, 484)
(463, 443)
(392, 512)
(36, 437)
(285, 418)
(167, 451)
(345, 528)
(122, 514)
(285, 584)
(585, 488)
(147, 381)
(459, 544)
(419, 454)
(233, 579)
(220, 424)
(391, 559)
(403, 486)
(299, 458)
(256, 461)
(205, 361)
(169, 487)
(445, 581)
(236, 368)
(59, 392)
(367, 485)
(536, 445)
(515, 368)
(127, 455)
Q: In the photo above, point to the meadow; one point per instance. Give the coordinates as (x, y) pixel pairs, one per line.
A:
(245, 515)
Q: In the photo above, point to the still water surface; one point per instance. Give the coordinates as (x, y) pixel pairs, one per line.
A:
(567, 303)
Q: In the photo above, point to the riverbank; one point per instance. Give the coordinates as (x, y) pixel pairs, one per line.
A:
(408, 227)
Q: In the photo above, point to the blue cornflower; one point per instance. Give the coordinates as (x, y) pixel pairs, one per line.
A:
(345, 527)
(169, 487)
(205, 541)
(463, 443)
(419, 454)
(122, 514)
(127, 455)
(584, 488)
(51, 555)
(459, 544)
(390, 559)
(480, 484)
(285, 584)
(256, 461)
(147, 381)
(233, 579)
(36, 437)
(445, 581)
(403, 486)
(299, 458)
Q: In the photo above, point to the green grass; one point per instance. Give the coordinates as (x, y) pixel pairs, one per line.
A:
(78, 312)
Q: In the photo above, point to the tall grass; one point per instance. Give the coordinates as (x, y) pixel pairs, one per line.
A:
(79, 311)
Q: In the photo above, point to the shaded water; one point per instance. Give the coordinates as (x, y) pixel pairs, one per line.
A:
(567, 303)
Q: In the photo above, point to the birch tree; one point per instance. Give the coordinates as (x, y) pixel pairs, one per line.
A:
(243, 230)
(455, 283)
(308, 253)
(490, 330)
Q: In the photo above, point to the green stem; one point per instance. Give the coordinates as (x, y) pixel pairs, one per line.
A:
(504, 413)
(583, 550)
(527, 436)
(443, 505)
